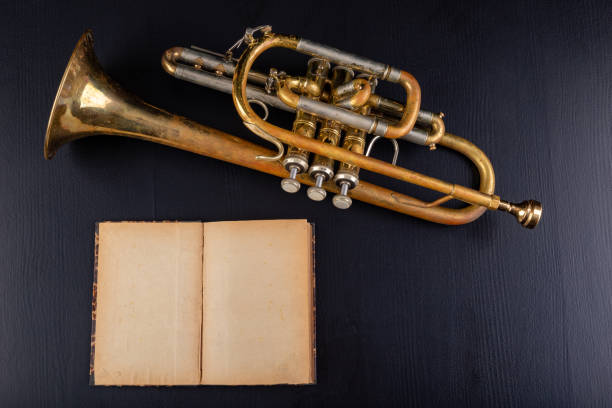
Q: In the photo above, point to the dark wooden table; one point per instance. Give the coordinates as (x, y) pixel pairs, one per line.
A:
(408, 312)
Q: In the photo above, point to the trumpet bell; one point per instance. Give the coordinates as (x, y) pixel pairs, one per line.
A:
(81, 65)
(88, 102)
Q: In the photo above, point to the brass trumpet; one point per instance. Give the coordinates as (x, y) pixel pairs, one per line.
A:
(336, 108)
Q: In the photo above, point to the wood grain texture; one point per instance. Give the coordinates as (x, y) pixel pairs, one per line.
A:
(408, 313)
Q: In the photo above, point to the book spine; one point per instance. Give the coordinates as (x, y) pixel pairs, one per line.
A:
(94, 302)
(314, 306)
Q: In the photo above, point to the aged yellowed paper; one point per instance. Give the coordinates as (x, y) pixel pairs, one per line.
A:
(149, 304)
(187, 303)
(257, 306)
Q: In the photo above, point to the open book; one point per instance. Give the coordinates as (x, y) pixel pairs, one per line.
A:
(187, 303)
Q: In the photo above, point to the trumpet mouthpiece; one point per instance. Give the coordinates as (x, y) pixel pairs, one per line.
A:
(527, 213)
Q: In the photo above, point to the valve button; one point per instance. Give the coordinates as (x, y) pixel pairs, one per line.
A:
(316, 193)
(290, 185)
(342, 201)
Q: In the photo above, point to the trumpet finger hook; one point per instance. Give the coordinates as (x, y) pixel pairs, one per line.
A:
(266, 136)
(263, 106)
(395, 148)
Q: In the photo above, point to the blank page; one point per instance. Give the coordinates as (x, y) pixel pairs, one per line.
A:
(257, 303)
(149, 304)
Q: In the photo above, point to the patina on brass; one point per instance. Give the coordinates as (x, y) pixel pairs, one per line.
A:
(479, 200)
(89, 103)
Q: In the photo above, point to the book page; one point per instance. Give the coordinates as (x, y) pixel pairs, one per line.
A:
(149, 304)
(257, 303)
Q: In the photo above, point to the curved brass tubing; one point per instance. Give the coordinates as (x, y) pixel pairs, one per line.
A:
(249, 116)
(395, 110)
(437, 131)
(170, 58)
(426, 211)
(302, 85)
(290, 89)
(411, 108)
(359, 95)
(88, 103)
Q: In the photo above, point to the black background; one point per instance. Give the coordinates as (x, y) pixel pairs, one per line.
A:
(408, 312)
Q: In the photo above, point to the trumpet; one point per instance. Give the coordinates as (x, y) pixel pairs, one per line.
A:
(336, 112)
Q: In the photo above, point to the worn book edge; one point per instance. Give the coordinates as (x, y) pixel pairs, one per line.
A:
(94, 299)
(313, 329)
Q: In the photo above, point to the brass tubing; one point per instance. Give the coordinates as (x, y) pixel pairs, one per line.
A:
(286, 94)
(175, 56)
(360, 97)
(388, 106)
(382, 71)
(396, 110)
(158, 126)
(188, 58)
(127, 116)
(437, 131)
(89, 103)
(411, 108)
(405, 204)
(354, 94)
(247, 114)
